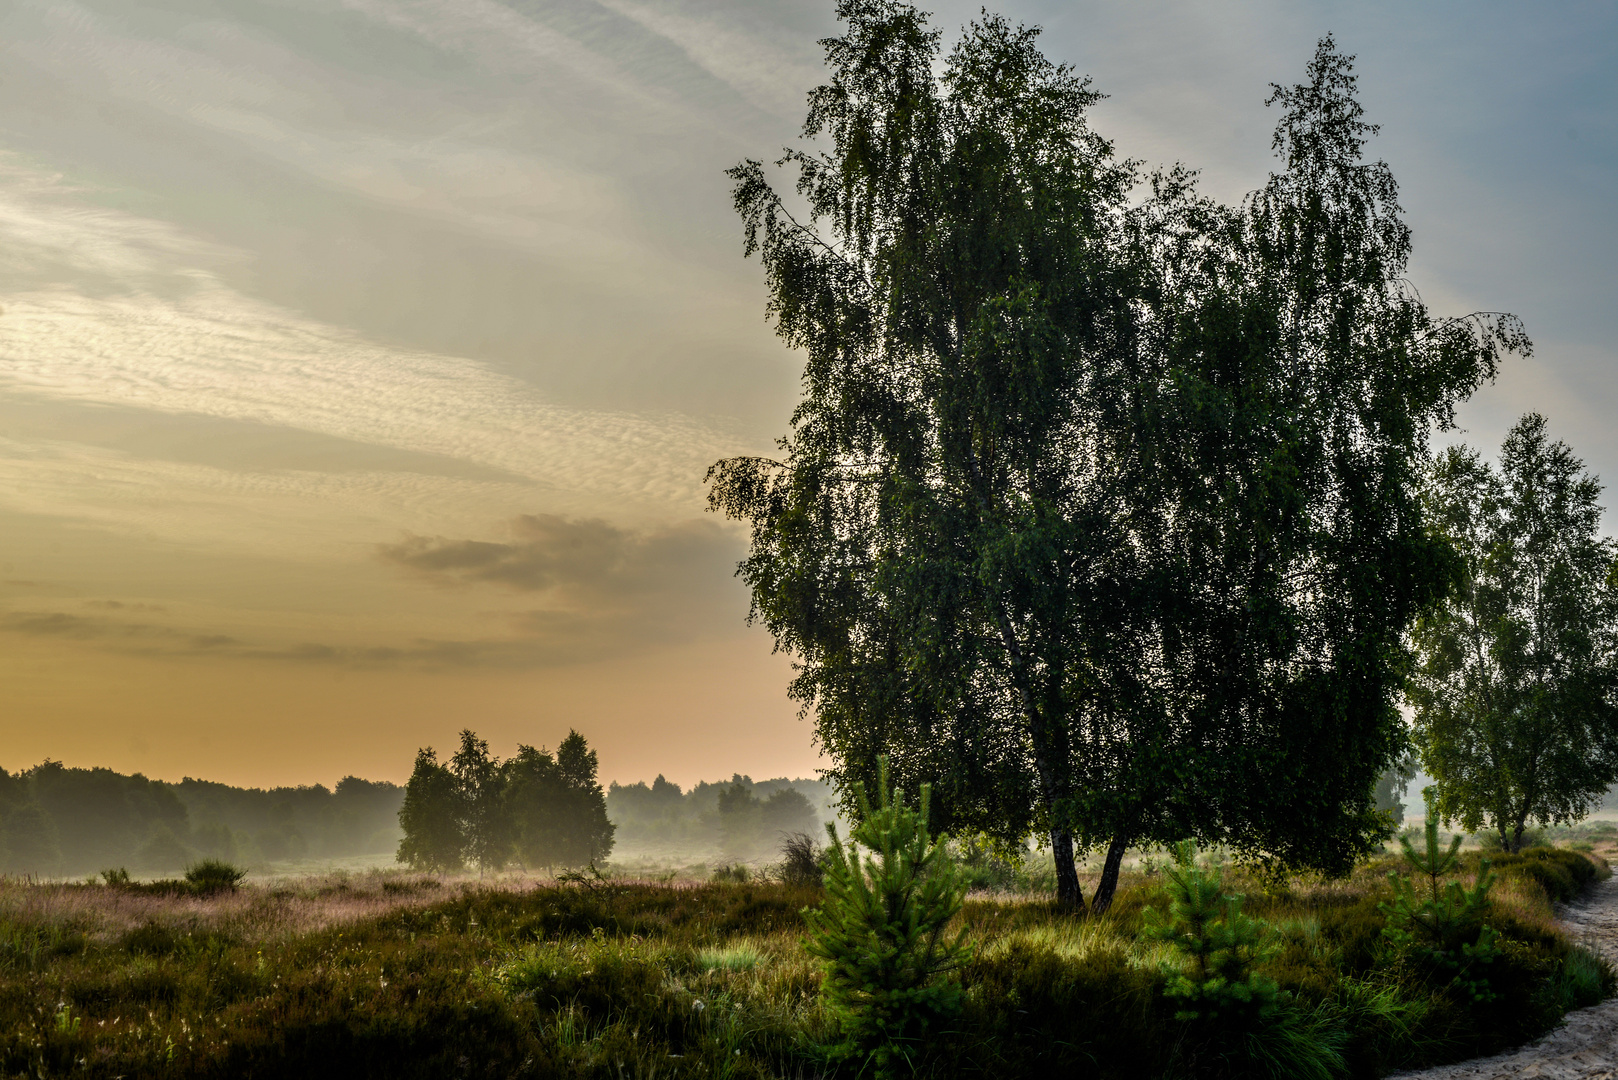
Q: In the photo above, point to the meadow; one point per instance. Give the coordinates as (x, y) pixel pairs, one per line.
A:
(393, 974)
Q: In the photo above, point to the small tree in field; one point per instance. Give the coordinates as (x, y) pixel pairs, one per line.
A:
(431, 817)
(881, 929)
(1516, 692)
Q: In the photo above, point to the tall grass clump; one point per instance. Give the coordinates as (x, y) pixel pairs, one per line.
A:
(881, 932)
(800, 860)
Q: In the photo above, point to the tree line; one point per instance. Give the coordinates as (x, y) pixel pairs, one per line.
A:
(740, 819)
(56, 820)
(539, 809)
(1111, 510)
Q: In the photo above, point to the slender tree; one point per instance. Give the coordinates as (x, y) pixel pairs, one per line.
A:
(432, 817)
(1516, 693)
(1098, 513)
(587, 833)
(485, 822)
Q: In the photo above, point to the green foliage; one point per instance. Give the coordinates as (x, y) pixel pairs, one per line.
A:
(626, 980)
(548, 811)
(480, 789)
(732, 873)
(1059, 416)
(115, 878)
(880, 930)
(431, 817)
(1583, 978)
(1441, 930)
(557, 808)
(213, 876)
(1561, 873)
(1516, 692)
(1241, 1021)
(1222, 948)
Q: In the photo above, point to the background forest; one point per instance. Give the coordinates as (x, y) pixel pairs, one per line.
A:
(56, 820)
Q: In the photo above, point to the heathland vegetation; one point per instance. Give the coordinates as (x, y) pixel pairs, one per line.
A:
(1109, 520)
(1198, 968)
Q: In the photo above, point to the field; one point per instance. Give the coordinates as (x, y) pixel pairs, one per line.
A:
(391, 974)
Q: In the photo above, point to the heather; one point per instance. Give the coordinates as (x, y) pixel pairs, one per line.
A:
(401, 974)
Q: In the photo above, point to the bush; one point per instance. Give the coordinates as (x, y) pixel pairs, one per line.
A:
(730, 873)
(116, 878)
(880, 931)
(1490, 841)
(800, 860)
(1561, 873)
(213, 876)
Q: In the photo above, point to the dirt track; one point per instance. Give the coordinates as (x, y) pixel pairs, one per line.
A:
(1586, 1046)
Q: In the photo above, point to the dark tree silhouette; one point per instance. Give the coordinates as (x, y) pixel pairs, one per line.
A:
(432, 817)
(1098, 513)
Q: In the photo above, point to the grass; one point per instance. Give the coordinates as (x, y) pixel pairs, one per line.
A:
(397, 975)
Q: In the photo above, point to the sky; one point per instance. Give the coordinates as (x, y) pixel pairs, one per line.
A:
(360, 360)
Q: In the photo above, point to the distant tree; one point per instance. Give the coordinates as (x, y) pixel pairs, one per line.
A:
(787, 811)
(432, 817)
(1391, 788)
(558, 809)
(1516, 692)
(162, 850)
(748, 824)
(31, 842)
(1099, 514)
(485, 820)
(589, 833)
(536, 803)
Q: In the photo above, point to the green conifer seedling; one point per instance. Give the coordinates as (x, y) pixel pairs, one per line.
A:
(1221, 943)
(880, 930)
(1444, 929)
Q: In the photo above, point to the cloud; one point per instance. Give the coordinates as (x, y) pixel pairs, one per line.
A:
(599, 583)
(553, 592)
(128, 636)
(549, 552)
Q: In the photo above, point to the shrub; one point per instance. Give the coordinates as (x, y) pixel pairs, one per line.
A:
(800, 860)
(732, 873)
(1583, 978)
(1490, 841)
(1221, 943)
(1561, 873)
(880, 930)
(115, 878)
(213, 876)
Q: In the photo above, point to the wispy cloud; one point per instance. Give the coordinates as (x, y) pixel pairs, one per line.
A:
(599, 583)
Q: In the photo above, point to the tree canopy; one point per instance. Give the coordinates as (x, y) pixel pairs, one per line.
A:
(1099, 509)
(545, 810)
(1516, 692)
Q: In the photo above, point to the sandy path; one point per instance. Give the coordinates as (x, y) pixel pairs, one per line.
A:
(1583, 1048)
